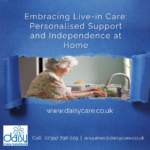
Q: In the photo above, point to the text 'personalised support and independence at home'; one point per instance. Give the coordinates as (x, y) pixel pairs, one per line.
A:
(75, 27)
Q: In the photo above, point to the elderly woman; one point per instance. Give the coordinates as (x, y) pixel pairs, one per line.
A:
(49, 84)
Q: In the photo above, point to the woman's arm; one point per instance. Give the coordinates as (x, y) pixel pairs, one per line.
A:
(88, 90)
(77, 94)
(80, 94)
(77, 91)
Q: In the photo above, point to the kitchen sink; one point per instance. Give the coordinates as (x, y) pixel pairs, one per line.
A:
(119, 98)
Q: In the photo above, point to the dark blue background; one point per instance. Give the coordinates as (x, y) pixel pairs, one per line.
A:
(128, 119)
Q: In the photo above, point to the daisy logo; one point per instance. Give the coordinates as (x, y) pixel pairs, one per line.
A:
(15, 135)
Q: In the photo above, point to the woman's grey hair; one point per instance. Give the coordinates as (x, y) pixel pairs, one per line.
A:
(63, 62)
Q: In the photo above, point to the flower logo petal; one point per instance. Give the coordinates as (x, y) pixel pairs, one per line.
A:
(18, 130)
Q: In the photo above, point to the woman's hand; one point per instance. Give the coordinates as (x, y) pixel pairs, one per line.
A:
(99, 94)
(69, 97)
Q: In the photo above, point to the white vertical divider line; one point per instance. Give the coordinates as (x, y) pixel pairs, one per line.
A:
(37, 65)
(44, 60)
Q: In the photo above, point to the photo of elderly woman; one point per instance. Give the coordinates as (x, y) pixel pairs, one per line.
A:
(71, 77)
(49, 83)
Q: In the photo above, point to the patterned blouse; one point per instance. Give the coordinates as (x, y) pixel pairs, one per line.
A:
(47, 85)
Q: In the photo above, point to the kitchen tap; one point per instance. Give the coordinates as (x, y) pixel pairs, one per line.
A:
(117, 74)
